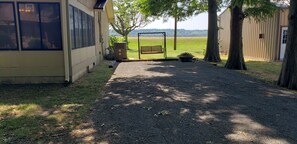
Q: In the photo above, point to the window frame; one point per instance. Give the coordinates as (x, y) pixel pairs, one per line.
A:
(60, 22)
(91, 36)
(285, 37)
(40, 27)
(15, 26)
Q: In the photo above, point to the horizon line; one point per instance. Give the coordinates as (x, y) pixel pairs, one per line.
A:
(166, 29)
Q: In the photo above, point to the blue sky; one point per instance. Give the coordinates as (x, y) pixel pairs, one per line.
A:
(196, 22)
(199, 22)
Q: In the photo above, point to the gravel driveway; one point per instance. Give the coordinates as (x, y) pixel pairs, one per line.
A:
(177, 103)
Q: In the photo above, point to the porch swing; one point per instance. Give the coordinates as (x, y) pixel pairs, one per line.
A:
(152, 49)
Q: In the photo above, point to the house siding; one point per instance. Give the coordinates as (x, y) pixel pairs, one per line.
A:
(260, 48)
(20, 66)
(104, 31)
(31, 66)
(284, 13)
(83, 59)
(99, 48)
(224, 31)
(266, 48)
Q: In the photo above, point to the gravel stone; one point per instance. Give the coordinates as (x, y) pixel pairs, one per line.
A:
(192, 103)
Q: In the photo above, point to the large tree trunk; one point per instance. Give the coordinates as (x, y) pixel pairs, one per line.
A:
(212, 49)
(175, 32)
(288, 76)
(125, 39)
(235, 57)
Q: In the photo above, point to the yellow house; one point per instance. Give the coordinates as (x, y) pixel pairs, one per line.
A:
(52, 41)
(265, 40)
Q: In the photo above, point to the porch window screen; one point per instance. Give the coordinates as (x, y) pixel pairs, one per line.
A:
(85, 29)
(82, 29)
(78, 30)
(8, 32)
(40, 26)
(71, 27)
(91, 31)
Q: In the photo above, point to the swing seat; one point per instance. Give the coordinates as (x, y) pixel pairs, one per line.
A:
(151, 49)
(157, 48)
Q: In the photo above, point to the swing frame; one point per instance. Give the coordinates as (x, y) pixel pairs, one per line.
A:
(153, 49)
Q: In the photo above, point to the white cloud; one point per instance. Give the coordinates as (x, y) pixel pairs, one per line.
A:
(196, 22)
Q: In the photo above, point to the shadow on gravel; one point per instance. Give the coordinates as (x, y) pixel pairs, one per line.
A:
(194, 103)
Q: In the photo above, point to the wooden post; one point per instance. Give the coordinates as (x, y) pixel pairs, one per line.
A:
(138, 46)
(175, 31)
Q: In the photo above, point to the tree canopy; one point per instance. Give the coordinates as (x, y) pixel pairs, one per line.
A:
(181, 9)
(128, 17)
(178, 9)
(257, 9)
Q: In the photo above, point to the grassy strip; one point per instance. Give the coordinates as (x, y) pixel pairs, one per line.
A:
(262, 70)
(265, 71)
(194, 45)
(49, 112)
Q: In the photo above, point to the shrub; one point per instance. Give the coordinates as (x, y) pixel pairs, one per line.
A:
(186, 54)
(112, 39)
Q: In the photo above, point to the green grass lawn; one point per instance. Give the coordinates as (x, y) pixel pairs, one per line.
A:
(194, 45)
(262, 70)
(44, 113)
(266, 71)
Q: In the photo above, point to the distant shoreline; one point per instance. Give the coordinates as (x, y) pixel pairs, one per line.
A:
(168, 37)
(169, 32)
